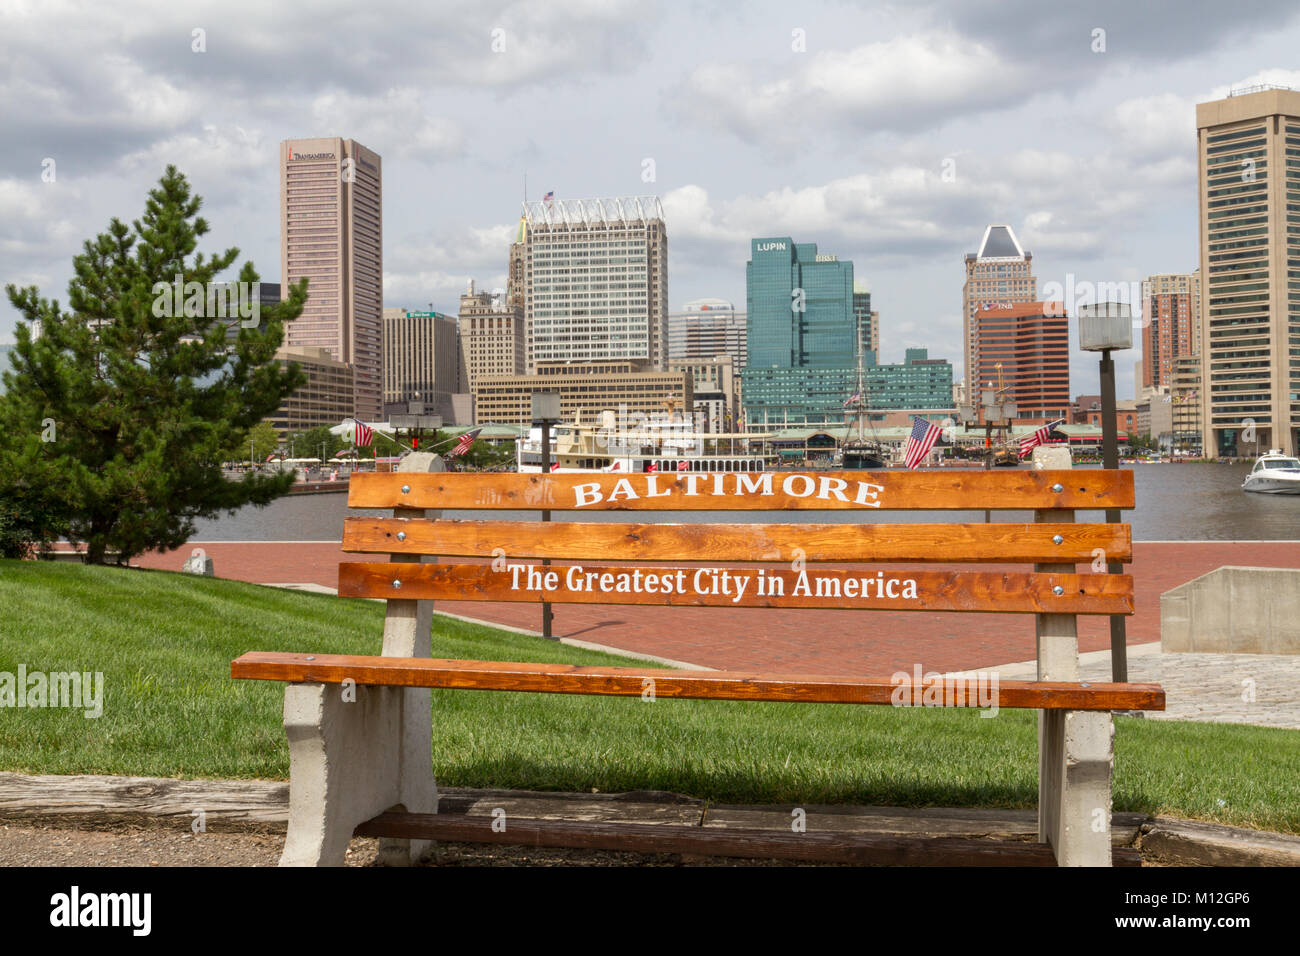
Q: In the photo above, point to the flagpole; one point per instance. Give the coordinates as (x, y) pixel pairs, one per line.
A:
(393, 437)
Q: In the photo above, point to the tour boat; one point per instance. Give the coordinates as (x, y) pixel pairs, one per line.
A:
(651, 446)
(1274, 474)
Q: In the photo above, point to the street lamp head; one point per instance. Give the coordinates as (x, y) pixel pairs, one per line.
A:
(1105, 327)
(545, 407)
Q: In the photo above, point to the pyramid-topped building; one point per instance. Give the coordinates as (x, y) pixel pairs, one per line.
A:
(997, 276)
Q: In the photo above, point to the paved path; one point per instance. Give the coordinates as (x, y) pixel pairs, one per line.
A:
(810, 641)
(1260, 689)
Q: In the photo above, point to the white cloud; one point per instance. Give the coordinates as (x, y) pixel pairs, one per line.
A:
(36, 220)
(396, 124)
(1272, 76)
(905, 82)
(225, 153)
(1154, 125)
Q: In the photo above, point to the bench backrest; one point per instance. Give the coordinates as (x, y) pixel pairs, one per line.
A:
(780, 560)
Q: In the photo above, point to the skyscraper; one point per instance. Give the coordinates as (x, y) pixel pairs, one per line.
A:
(802, 341)
(999, 273)
(596, 280)
(1030, 341)
(517, 279)
(868, 324)
(704, 329)
(331, 228)
(421, 356)
(491, 335)
(326, 399)
(1170, 325)
(1250, 264)
(920, 382)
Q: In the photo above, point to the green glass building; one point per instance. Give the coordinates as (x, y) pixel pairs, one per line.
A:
(802, 333)
(920, 382)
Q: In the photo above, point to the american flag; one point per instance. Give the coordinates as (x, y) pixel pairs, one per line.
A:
(852, 398)
(466, 440)
(924, 435)
(549, 196)
(365, 435)
(1039, 437)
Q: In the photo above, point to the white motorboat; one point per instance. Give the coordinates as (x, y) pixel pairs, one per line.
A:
(1274, 474)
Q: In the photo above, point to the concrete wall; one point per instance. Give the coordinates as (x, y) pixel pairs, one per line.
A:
(1234, 610)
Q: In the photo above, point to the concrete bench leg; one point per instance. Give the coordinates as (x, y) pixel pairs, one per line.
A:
(1075, 766)
(350, 761)
(1075, 747)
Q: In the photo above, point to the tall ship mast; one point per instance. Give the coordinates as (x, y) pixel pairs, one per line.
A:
(858, 451)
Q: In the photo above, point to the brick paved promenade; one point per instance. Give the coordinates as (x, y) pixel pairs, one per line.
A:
(810, 641)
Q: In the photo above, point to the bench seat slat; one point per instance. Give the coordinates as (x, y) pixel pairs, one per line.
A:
(634, 682)
(953, 489)
(986, 591)
(842, 543)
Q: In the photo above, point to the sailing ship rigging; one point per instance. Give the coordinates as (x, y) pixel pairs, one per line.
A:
(860, 452)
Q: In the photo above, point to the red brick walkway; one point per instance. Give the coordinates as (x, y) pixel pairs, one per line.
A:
(810, 641)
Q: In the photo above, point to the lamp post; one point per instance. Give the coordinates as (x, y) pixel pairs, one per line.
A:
(997, 412)
(1106, 327)
(546, 412)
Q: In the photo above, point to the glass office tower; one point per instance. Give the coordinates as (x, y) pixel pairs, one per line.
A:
(802, 333)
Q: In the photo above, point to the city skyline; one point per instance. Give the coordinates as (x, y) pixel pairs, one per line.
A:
(950, 117)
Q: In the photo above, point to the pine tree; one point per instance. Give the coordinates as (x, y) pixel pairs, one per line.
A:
(118, 410)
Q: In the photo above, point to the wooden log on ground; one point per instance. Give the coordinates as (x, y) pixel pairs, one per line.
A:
(810, 847)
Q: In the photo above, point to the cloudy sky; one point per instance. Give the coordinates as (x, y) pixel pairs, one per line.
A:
(889, 134)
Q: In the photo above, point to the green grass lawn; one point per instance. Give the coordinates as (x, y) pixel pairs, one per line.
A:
(164, 642)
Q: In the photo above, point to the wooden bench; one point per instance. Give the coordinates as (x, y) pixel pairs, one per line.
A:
(360, 762)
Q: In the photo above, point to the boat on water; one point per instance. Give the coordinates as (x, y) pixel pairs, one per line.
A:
(860, 452)
(1006, 458)
(653, 446)
(859, 455)
(1274, 474)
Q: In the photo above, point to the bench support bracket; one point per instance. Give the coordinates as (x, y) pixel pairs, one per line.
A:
(350, 760)
(356, 752)
(1075, 748)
